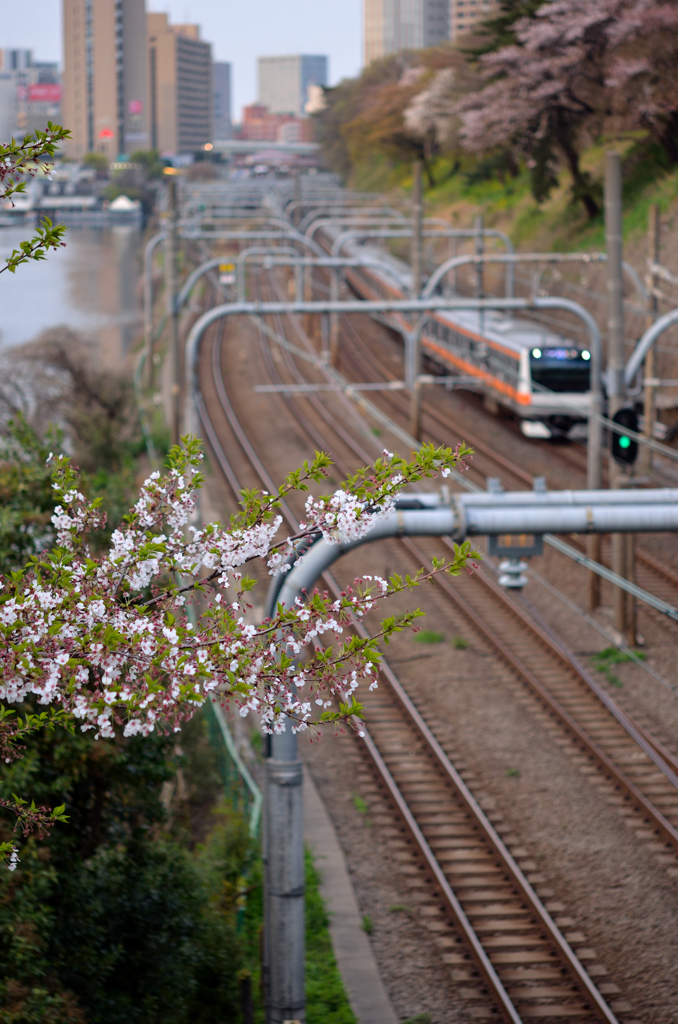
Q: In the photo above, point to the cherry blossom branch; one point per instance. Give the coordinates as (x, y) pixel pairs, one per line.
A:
(82, 637)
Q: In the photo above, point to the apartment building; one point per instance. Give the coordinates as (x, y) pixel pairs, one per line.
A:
(393, 25)
(179, 87)
(284, 82)
(105, 77)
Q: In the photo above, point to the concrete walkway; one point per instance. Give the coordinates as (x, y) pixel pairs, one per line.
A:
(355, 959)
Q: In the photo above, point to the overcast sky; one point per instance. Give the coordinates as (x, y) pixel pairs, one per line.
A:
(240, 31)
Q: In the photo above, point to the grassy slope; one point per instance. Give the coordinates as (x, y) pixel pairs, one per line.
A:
(555, 225)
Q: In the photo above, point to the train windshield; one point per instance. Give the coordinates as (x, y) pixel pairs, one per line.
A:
(561, 369)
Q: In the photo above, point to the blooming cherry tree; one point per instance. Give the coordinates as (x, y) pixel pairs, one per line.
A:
(140, 638)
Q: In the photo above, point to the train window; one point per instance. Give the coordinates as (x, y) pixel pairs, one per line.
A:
(561, 369)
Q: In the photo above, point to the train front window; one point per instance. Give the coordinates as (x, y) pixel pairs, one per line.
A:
(561, 368)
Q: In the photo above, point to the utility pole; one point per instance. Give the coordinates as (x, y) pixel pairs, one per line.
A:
(623, 554)
(171, 289)
(594, 471)
(297, 197)
(654, 257)
(334, 317)
(284, 942)
(478, 226)
(413, 356)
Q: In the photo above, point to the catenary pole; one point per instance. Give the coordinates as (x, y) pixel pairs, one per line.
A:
(654, 258)
(616, 385)
(171, 257)
(284, 946)
(412, 339)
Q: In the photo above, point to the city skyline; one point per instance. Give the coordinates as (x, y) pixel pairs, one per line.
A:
(239, 34)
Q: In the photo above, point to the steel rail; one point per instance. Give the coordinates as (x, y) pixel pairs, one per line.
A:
(505, 857)
(580, 976)
(624, 721)
(447, 423)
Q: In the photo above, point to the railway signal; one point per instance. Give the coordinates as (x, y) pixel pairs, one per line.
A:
(624, 448)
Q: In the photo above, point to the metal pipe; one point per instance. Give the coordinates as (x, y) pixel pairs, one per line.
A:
(442, 232)
(361, 306)
(484, 514)
(365, 223)
(526, 257)
(350, 211)
(273, 260)
(243, 257)
(646, 342)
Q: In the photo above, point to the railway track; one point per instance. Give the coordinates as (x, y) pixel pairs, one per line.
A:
(361, 363)
(640, 767)
(525, 965)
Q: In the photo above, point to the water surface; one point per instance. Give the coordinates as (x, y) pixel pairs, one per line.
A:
(91, 286)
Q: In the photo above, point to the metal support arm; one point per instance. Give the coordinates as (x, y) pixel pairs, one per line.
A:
(487, 514)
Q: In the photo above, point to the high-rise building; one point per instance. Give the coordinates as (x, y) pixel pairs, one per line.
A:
(180, 87)
(105, 77)
(465, 14)
(284, 82)
(30, 93)
(393, 25)
(221, 100)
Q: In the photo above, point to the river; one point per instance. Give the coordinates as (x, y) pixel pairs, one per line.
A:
(91, 286)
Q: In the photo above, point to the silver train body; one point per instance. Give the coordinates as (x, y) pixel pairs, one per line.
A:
(541, 377)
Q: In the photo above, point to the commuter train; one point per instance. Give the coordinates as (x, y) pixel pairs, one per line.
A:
(543, 378)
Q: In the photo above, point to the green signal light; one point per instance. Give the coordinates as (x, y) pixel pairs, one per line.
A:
(624, 442)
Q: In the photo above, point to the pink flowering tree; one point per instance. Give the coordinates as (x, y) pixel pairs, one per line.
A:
(546, 94)
(572, 69)
(642, 72)
(140, 638)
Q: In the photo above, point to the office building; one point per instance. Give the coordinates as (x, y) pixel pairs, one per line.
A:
(179, 87)
(393, 25)
(15, 60)
(284, 82)
(30, 93)
(105, 77)
(221, 100)
(465, 14)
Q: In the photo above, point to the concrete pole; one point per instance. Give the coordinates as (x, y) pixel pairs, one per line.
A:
(616, 362)
(334, 317)
(284, 940)
(413, 356)
(417, 229)
(594, 470)
(654, 256)
(297, 197)
(478, 226)
(171, 288)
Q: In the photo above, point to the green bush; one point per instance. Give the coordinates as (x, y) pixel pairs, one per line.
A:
(111, 919)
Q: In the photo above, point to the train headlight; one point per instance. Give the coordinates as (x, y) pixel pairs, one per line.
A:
(536, 352)
(586, 355)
